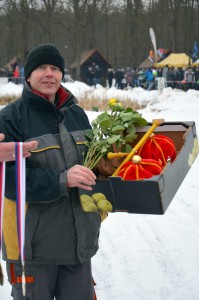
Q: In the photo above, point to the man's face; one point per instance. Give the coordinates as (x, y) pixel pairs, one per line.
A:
(46, 79)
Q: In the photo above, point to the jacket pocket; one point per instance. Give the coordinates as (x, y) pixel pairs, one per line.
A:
(80, 141)
(49, 153)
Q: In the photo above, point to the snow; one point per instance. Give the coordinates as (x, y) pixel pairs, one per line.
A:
(147, 257)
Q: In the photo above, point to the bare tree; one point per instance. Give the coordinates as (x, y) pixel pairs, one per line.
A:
(50, 7)
(175, 7)
(18, 24)
(134, 20)
(119, 29)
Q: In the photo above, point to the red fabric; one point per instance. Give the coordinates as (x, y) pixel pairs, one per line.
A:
(29, 279)
(95, 296)
(63, 95)
(146, 168)
(12, 274)
(16, 73)
(18, 279)
(158, 147)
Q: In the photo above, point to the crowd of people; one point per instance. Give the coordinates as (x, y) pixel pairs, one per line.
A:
(121, 78)
(182, 78)
(94, 75)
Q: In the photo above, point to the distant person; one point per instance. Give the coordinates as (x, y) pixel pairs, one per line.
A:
(164, 74)
(149, 77)
(22, 74)
(90, 76)
(16, 75)
(141, 78)
(170, 77)
(129, 77)
(135, 78)
(97, 75)
(110, 76)
(176, 77)
(10, 74)
(119, 76)
(159, 72)
(190, 79)
(196, 78)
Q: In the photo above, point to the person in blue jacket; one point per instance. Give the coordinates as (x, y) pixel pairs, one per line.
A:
(149, 77)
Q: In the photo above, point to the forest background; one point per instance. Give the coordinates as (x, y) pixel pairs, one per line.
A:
(119, 29)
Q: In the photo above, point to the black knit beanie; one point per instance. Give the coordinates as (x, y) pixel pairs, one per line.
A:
(46, 54)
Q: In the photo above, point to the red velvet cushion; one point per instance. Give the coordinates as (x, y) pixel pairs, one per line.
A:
(142, 169)
(159, 147)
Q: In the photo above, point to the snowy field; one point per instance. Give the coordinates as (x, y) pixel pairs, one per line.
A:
(148, 257)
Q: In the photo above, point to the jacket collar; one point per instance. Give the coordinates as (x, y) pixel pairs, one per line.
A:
(64, 98)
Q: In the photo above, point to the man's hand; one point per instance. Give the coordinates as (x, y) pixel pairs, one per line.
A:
(79, 176)
(7, 150)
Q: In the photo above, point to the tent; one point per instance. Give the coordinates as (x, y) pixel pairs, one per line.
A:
(195, 64)
(180, 60)
(149, 61)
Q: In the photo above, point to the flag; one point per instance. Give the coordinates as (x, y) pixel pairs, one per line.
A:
(153, 40)
(195, 52)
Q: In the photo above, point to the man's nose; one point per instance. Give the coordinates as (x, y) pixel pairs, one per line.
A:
(49, 71)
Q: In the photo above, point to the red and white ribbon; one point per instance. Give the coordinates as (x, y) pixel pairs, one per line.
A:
(2, 191)
(20, 180)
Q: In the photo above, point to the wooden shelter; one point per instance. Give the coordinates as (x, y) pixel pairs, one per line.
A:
(87, 59)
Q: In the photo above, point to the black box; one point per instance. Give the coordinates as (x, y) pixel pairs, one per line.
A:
(153, 195)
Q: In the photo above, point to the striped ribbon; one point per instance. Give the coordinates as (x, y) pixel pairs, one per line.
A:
(20, 180)
(2, 191)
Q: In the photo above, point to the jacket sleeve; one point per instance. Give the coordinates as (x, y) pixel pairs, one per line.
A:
(42, 185)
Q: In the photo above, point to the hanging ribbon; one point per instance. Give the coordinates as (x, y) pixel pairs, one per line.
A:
(2, 191)
(20, 203)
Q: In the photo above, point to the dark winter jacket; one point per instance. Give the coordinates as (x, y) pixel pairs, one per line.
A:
(57, 230)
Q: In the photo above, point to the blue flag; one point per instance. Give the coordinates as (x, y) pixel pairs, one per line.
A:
(195, 52)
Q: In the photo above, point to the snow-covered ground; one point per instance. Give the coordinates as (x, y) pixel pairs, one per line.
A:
(148, 257)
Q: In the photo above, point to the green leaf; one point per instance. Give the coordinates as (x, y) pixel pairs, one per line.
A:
(104, 149)
(118, 129)
(126, 116)
(131, 129)
(102, 117)
(96, 130)
(141, 122)
(130, 137)
(119, 108)
(127, 148)
(113, 139)
(89, 134)
(105, 125)
(129, 109)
